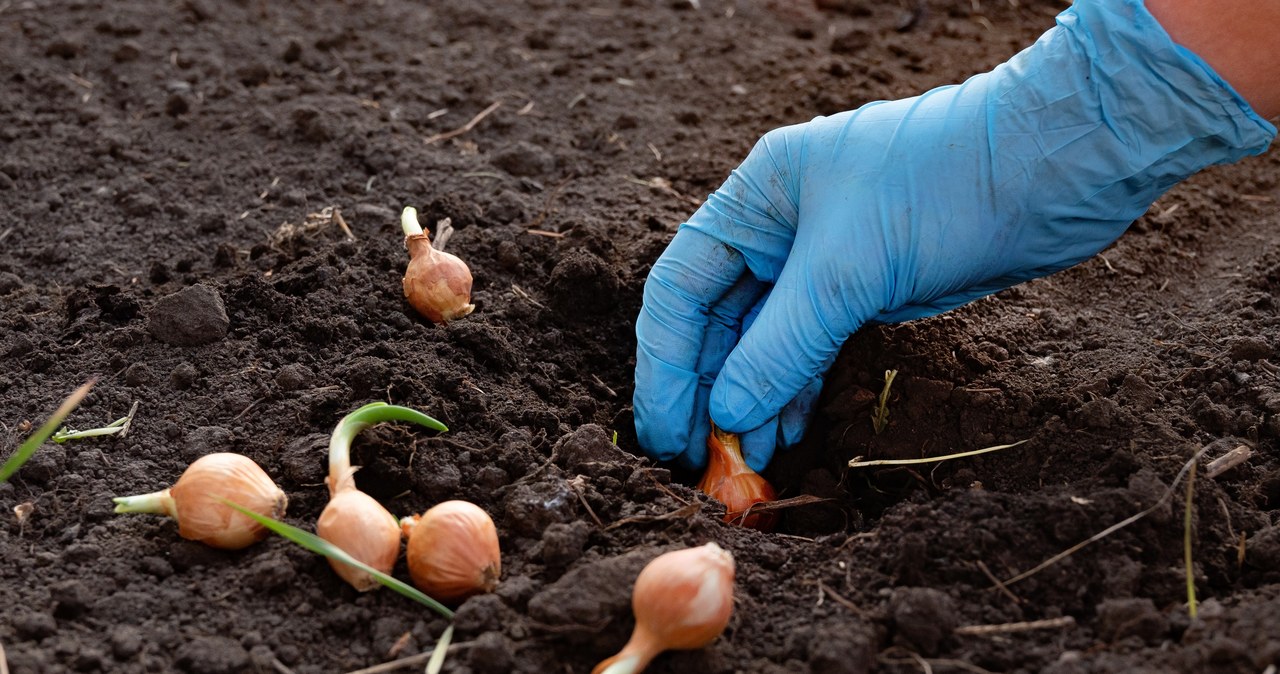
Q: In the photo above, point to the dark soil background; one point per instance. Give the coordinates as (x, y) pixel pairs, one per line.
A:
(165, 167)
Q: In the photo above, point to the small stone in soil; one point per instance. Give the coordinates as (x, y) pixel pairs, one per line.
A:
(212, 655)
(1250, 348)
(270, 572)
(155, 566)
(9, 282)
(137, 375)
(589, 443)
(190, 317)
(81, 553)
(562, 543)
(1122, 618)
(481, 613)
(35, 626)
(524, 159)
(491, 653)
(183, 376)
(530, 509)
(1264, 549)
(841, 650)
(293, 377)
(582, 283)
(126, 641)
(70, 598)
(592, 593)
(208, 440)
(923, 616)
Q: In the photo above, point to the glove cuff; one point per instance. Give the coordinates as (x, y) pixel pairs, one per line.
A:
(1119, 113)
(1172, 114)
(1134, 56)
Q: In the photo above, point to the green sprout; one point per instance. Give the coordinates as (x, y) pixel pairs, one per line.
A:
(118, 427)
(351, 425)
(320, 546)
(880, 417)
(31, 444)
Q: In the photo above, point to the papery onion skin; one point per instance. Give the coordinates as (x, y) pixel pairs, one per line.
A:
(453, 551)
(364, 529)
(196, 501)
(682, 600)
(731, 481)
(437, 284)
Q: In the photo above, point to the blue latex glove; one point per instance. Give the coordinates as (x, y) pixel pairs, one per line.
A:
(905, 209)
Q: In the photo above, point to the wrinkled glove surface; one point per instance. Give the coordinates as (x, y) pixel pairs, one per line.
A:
(904, 209)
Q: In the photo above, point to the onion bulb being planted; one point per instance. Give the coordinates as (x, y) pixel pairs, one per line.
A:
(196, 501)
(682, 601)
(353, 520)
(437, 284)
(453, 551)
(731, 481)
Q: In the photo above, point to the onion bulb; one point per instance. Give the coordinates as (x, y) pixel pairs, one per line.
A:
(453, 551)
(682, 601)
(353, 520)
(357, 523)
(196, 501)
(731, 481)
(437, 284)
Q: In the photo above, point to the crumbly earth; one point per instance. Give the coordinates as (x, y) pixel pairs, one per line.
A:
(164, 183)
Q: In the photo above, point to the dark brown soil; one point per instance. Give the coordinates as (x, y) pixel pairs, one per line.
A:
(158, 165)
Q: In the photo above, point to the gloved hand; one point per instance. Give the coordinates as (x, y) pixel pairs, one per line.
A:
(905, 209)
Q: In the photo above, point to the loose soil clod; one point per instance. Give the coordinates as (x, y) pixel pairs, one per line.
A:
(116, 197)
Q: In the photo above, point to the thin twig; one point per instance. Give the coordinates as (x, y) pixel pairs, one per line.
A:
(524, 295)
(680, 513)
(912, 658)
(280, 666)
(577, 484)
(780, 504)
(444, 232)
(128, 421)
(392, 666)
(4, 662)
(664, 185)
(1164, 500)
(1008, 628)
(465, 127)
(857, 610)
(543, 232)
(1227, 461)
(999, 585)
(857, 463)
(342, 222)
(664, 488)
(926, 664)
(246, 410)
(1187, 559)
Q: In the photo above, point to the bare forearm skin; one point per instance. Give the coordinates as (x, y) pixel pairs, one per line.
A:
(1237, 38)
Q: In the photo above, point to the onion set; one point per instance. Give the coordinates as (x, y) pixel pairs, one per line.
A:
(731, 481)
(353, 520)
(453, 551)
(437, 284)
(682, 600)
(196, 501)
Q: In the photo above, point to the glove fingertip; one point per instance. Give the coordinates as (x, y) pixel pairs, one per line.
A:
(736, 409)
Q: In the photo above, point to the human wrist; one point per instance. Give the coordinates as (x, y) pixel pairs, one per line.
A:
(1234, 37)
(1121, 112)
